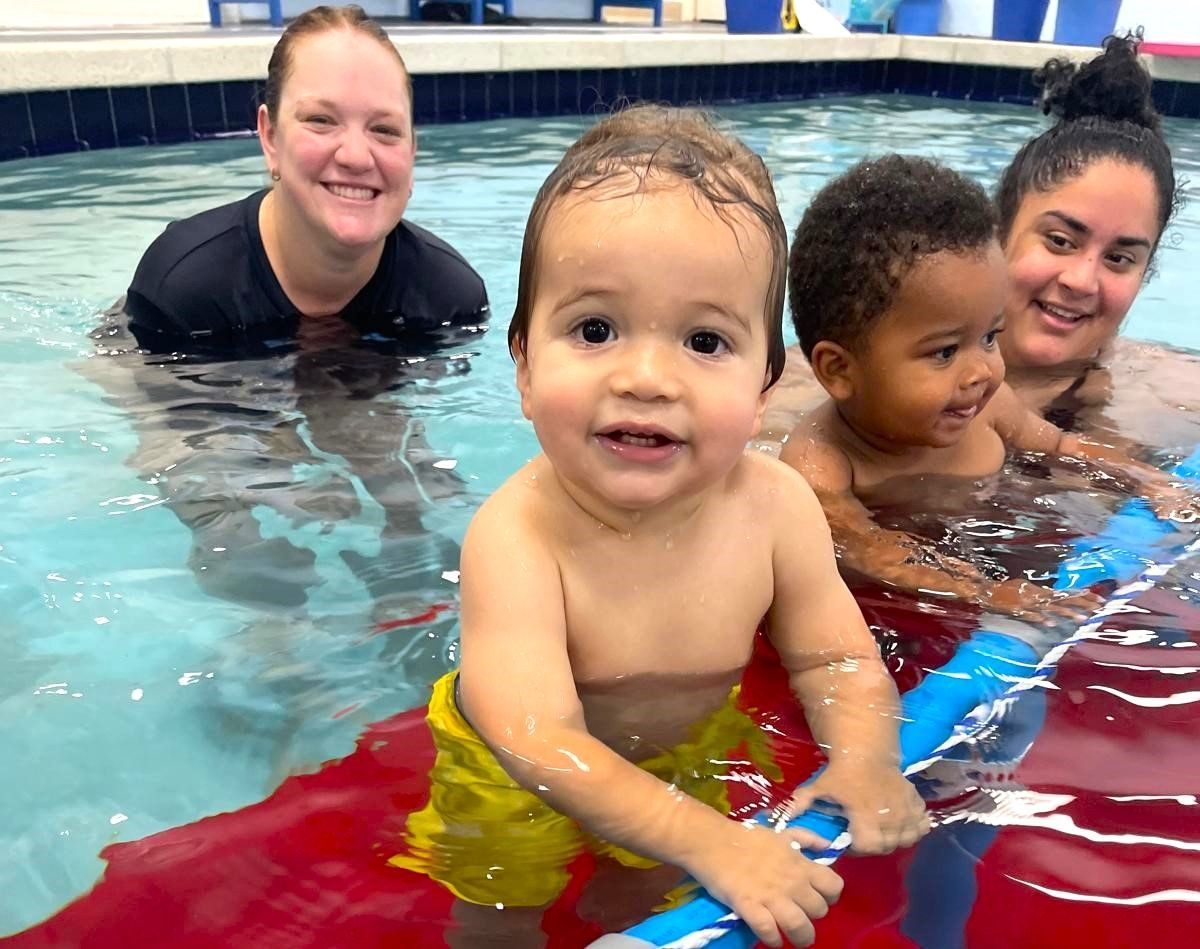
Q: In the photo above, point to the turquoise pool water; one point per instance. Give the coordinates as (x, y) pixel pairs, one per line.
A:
(130, 698)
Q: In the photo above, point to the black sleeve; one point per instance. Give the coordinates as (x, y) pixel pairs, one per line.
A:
(451, 289)
(176, 299)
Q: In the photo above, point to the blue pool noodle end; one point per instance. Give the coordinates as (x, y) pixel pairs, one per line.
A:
(980, 671)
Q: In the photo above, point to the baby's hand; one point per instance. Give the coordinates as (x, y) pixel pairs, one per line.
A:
(1040, 604)
(762, 876)
(882, 807)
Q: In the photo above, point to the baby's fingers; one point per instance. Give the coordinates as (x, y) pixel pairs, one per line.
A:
(804, 839)
(762, 923)
(826, 883)
(795, 923)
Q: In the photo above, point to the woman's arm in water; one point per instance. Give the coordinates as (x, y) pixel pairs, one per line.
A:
(903, 560)
(1024, 430)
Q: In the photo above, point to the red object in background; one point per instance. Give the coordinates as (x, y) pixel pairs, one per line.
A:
(1170, 49)
(419, 620)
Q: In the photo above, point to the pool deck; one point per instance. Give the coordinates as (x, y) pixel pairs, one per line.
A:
(39, 60)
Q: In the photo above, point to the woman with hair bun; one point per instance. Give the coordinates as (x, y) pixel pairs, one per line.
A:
(1083, 208)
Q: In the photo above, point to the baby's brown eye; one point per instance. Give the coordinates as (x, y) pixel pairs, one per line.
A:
(595, 331)
(706, 343)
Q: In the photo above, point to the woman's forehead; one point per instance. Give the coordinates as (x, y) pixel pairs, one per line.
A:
(347, 60)
(1111, 197)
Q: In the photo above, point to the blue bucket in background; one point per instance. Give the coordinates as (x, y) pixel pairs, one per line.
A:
(873, 15)
(1019, 19)
(1085, 22)
(754, 16)
(918, 17)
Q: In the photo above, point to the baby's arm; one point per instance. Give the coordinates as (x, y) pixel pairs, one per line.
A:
(1024, 430)
(519, 693)
(835, 671)
(901, 559)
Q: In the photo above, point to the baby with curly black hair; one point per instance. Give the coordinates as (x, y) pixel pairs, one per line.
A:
(897, 287)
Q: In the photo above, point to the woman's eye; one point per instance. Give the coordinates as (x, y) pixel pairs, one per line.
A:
(387, 130)
(707, 343)
(319, 119)
(594, 331)
(1058, 241)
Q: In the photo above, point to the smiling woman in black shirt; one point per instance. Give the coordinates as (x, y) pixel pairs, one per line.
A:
(327, 240)
(263, 349)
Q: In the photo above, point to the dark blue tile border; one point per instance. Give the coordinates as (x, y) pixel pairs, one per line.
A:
(53, 121)
(43, 123)
(131, 112)
(206, 108)
(16, 129)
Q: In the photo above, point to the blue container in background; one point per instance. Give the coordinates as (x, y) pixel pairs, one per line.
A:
(1019, 19)
(1085, 22)
(870, 15)
(918, 17)
(754, 16)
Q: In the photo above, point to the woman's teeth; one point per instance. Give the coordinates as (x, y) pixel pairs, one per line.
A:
(357, 194)
(1061, 313)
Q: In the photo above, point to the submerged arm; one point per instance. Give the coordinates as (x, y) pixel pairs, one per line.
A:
(897, 558)
(1023, 430)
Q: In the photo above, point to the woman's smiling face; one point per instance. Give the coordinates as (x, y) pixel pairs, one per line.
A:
(342, 143)
(1077, 256)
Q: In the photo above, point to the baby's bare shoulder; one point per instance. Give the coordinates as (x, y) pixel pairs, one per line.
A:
(773, 487)
(815, 450)
(520, 507)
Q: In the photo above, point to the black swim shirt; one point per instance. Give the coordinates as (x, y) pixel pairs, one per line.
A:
(205, 283)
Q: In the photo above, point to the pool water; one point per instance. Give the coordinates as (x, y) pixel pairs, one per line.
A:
(146, 683)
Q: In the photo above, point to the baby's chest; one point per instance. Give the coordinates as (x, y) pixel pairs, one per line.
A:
(693, 615)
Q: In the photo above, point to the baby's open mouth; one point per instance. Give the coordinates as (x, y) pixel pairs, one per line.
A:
(642, 441)
(638, 442)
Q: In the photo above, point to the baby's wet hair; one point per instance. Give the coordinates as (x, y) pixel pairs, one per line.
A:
(863, 234)
(652, 144)
(1104, 110)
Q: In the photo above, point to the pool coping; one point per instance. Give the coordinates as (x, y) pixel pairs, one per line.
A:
(118, 88)
(219, 56)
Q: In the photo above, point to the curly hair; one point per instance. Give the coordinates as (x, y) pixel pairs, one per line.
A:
(1105, 111)
(684, 144)
(865, 231)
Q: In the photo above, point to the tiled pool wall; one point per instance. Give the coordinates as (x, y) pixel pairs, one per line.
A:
(65, 120)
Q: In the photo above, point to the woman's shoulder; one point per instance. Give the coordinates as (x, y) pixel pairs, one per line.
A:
(194, 241)
(438, 276)
(201, 279)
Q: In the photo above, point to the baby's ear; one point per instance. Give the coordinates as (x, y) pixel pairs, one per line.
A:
(833, 365)
(522, 361)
